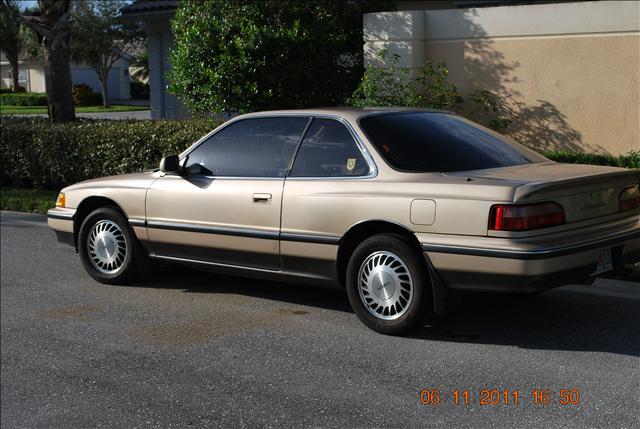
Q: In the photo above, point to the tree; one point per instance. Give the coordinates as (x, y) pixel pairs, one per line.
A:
(246, 55)
(10, 36)
(100, 39)
(140, 67)
(52, 24)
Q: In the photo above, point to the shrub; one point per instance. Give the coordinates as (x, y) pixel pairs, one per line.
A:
(83, 95)
(393, 86)
(37, 153)
(139, 90)
(23, 99)
(238, 56)
(628, 160)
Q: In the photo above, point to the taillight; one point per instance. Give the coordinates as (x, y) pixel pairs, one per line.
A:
(523, 217)
(629, 198)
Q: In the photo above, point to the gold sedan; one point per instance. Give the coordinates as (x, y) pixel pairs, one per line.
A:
(396, 206)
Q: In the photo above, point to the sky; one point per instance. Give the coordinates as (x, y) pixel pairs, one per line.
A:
(31, 3)
(28, 3)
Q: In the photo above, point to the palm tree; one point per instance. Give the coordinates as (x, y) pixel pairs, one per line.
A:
(10, 36)
(140, 67)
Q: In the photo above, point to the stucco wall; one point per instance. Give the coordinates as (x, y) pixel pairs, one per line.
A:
(35, 74)
(571, 70)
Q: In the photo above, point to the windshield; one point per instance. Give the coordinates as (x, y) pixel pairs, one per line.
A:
(441, 142)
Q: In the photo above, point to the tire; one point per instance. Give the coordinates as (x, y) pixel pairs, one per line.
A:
(395, 297)
(107, 228)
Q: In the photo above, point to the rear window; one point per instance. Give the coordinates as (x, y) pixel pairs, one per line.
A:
(440, 142)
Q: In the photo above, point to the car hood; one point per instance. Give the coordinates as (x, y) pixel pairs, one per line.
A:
(139, 180)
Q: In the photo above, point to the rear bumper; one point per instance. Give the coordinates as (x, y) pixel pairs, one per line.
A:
(61, 221)
(529, 265)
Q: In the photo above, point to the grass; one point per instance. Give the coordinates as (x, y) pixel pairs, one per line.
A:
(27, 200)
(33, 110)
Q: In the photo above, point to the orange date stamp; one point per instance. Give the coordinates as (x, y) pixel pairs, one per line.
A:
(493, 397)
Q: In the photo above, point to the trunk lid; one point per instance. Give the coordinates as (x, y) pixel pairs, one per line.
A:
(584, 191)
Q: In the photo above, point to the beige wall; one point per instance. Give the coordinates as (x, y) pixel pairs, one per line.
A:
(571, 70)
(35, 74)
(36, 78)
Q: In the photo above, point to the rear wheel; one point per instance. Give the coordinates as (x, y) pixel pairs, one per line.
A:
(107, 247)
(388, 284)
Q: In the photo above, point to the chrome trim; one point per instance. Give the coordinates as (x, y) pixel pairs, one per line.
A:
(373, 168)
(53, 214)
(540, 253)
(215, 264)
(220, 230)
(137, 222)
(250, 271)
(310, 238)
(244, 232)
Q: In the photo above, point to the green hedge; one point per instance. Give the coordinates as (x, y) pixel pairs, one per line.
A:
(629, 160)
(38, 154)
(24, 99)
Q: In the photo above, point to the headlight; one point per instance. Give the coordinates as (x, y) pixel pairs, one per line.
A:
(60, 201)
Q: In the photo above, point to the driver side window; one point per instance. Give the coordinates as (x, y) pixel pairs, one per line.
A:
(257, 147)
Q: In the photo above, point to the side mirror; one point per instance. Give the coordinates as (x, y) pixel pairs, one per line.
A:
(170, 164)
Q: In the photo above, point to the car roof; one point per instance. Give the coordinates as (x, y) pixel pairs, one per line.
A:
(350, 113)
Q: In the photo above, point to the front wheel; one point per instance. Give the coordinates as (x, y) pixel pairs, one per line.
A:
(106, 246)
(388, 285)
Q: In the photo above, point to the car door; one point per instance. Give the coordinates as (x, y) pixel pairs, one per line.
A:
(225, 206)
(323, 196)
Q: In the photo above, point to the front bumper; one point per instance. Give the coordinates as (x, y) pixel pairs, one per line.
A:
(531, 264)
(61, 221)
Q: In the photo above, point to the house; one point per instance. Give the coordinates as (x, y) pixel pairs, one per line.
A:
(155, 16)
(568, 69)
(31, 76)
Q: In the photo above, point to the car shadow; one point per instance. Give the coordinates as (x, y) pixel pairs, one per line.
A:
(558, 319)
(194, 281)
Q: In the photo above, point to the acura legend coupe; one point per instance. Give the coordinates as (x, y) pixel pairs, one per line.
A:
(399, 207)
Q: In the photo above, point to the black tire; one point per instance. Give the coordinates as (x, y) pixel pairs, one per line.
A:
(420, 305)
(127, 268)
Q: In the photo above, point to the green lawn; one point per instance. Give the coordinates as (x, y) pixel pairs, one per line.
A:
(29, 110)
(27, 200)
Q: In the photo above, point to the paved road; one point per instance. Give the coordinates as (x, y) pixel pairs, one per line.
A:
(189, 349)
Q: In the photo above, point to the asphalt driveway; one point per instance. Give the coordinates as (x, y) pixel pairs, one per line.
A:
(190, 349)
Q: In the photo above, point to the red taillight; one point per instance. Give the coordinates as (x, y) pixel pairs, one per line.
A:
(504, 217)
(629, 198)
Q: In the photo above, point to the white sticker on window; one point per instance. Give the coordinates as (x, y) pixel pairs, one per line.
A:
(351, 164)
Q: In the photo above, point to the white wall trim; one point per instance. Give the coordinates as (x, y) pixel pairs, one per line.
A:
(556, 19)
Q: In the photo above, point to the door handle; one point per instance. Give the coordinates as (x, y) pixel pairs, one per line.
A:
(262, 198)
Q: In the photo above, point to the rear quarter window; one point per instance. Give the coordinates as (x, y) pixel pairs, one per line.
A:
(441, 142)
